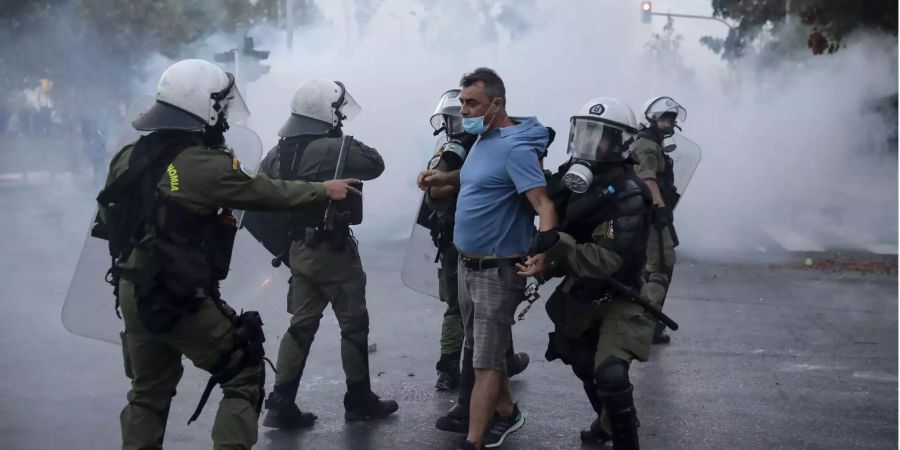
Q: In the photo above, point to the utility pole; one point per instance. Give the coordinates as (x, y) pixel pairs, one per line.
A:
(289, 14)
(244, 62)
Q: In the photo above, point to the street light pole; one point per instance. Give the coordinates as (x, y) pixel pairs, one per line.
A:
(647, 13)
(402, 26)
(692, 16)
(289, 14)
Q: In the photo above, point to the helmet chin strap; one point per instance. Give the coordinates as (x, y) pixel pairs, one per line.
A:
(214, 135)
(338, 104)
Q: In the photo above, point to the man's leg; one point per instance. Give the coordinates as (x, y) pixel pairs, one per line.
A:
(306, 304)
(485, 401)
(494, 295)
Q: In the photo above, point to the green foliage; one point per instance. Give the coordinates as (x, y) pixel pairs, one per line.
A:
(828, 22)
(663, 50)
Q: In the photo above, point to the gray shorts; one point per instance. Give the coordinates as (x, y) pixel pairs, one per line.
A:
(487, 302)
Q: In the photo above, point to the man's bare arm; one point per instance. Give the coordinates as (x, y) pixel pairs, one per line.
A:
(543, 206)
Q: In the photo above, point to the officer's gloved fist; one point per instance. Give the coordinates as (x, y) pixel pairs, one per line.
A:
(543, 241)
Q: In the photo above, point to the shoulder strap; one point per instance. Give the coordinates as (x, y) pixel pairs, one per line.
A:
(150, 150)
(290, 153)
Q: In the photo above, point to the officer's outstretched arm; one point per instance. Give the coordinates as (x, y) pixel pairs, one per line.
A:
(229, 186)
(596, 259)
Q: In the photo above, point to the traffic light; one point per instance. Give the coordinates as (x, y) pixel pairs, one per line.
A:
(247, 59)
(251, 69)
(225, 59)
(646, 12)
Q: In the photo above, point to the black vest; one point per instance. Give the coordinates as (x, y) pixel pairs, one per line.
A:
(617, 195)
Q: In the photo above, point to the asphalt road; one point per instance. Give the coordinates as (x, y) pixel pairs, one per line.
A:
(768, 356)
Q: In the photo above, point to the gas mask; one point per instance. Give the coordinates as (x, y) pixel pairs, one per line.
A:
(591, 142)
(579, 176)
(668, 144)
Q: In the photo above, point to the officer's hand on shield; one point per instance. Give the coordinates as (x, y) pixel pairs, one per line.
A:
(337, 190)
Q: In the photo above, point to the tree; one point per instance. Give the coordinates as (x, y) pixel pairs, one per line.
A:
(828, 22)
(99, 47)
(663, 49)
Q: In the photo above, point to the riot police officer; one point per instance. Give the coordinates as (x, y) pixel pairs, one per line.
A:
(605, 218)
(166, 212)
(437, 215)
(324, 261)
(656, 168)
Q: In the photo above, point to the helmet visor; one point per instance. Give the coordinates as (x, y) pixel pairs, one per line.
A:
(448, 105)
(593, 140)
(236, 109)
(451, 124)
(346, 104)
(665, 105)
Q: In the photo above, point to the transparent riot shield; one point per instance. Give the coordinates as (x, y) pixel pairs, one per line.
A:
(420, 265)
(89, 309)
(685, 156)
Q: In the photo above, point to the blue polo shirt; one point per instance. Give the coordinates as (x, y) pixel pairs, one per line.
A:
(492, 217)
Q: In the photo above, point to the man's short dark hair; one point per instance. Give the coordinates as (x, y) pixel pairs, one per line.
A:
(493, 85)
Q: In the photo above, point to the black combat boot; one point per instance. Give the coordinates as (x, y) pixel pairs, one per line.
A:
(457, 419)
(594, 435)
(659, 334)
(446, 381)
(283, 413)
(516, 363)
(623, 420)
(448, 372)
(360, 403)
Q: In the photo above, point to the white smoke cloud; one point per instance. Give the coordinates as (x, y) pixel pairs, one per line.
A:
(787, 145)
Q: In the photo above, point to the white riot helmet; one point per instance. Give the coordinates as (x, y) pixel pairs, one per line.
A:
(598, 133)
(193, 94)
(318, 106)
(656, 107)
(447, 117)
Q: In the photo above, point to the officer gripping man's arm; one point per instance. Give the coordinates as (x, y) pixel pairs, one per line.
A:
(600, 246)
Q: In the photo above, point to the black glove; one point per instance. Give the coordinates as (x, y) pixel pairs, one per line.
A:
(662, 216)
(543, 240)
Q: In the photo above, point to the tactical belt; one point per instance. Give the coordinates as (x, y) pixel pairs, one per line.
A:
(314, 236)
(489, 263)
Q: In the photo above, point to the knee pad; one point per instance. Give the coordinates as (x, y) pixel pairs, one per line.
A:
(303, 332)
(355, 327)
(584, 373)
(660, 278)
(612, 376)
